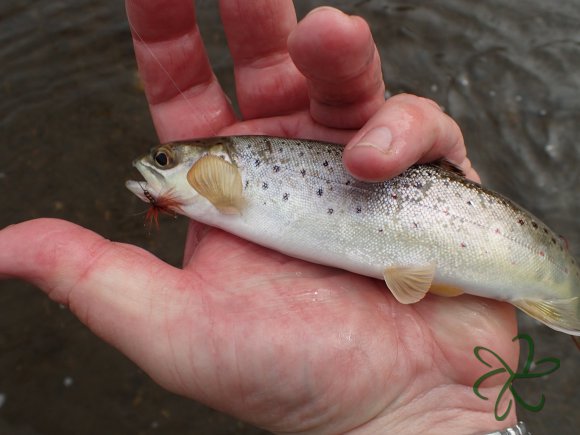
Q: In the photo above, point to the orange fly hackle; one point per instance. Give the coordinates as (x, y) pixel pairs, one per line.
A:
(165, 203)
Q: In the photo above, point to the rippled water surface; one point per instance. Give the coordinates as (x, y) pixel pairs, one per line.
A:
(73, 116)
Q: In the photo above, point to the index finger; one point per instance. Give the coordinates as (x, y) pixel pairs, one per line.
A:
(184, 95)
(406, 130)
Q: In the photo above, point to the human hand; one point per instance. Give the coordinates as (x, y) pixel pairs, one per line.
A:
(286, 345)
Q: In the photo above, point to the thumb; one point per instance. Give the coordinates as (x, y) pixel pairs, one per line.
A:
(119, 291)
(406, 130)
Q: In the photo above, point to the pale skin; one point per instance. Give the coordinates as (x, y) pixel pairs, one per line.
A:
(285, 345)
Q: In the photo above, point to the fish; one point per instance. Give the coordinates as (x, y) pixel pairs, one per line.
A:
(428, 230)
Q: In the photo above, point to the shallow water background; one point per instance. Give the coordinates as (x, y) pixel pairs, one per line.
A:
(73, 116)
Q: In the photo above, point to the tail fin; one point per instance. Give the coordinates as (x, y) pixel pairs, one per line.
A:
(560, 314)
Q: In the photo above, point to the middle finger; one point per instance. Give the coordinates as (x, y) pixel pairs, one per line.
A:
(267, 81)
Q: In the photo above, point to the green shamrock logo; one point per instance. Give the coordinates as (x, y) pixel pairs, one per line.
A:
(526, 373)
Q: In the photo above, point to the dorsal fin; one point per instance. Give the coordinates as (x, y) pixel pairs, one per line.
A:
(448, 166)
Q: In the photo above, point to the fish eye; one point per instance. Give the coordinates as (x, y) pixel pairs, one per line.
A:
(162, 157)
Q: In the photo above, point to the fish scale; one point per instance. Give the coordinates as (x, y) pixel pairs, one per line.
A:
(429, 228)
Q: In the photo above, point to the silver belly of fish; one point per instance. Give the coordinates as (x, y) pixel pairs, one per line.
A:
(427, 230)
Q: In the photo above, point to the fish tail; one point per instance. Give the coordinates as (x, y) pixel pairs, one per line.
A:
(560, 314)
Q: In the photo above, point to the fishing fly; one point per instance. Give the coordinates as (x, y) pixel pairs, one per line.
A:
(164, 203)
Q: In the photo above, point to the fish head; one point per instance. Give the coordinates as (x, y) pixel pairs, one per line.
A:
(164, 170)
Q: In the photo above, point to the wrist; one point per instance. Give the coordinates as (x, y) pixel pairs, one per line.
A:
(452, 409)
(519, 429)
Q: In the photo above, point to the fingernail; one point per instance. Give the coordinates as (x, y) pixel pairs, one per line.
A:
(322, 8)
(379, 138)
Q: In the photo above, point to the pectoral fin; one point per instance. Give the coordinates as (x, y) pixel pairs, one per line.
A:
(559, 314)
(219, 182)
(409, 284)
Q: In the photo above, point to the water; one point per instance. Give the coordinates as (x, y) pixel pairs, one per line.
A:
(73, 116)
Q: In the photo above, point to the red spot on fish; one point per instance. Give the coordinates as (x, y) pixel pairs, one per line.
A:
(463, 245)
(394, 195)
(497, 231)
(542, 254)
(565, 241)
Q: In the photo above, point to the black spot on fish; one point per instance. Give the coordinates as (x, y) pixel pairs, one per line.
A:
(394, 195)
(285, 197)
(325, 163)
(347, 182)
(276, 168)
(358, 209)
(301, 154)
(553, 240)
(380, 230)
(303, 172)
(257, 162)
(521, 221)
(535, 225)
(469, 202)
(264, 185)
(319, 192)
(418, 185)
(330, 211)
(247, 184)
(546, 230)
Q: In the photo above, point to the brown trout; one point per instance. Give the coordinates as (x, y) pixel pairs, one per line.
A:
(427, 230)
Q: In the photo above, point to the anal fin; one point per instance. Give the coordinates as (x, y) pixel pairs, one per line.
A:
(445, 290)
(409, 284)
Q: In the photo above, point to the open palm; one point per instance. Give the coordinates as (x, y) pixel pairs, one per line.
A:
(284, 344)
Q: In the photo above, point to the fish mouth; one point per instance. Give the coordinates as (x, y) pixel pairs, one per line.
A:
(138, 188)
(143, 188)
